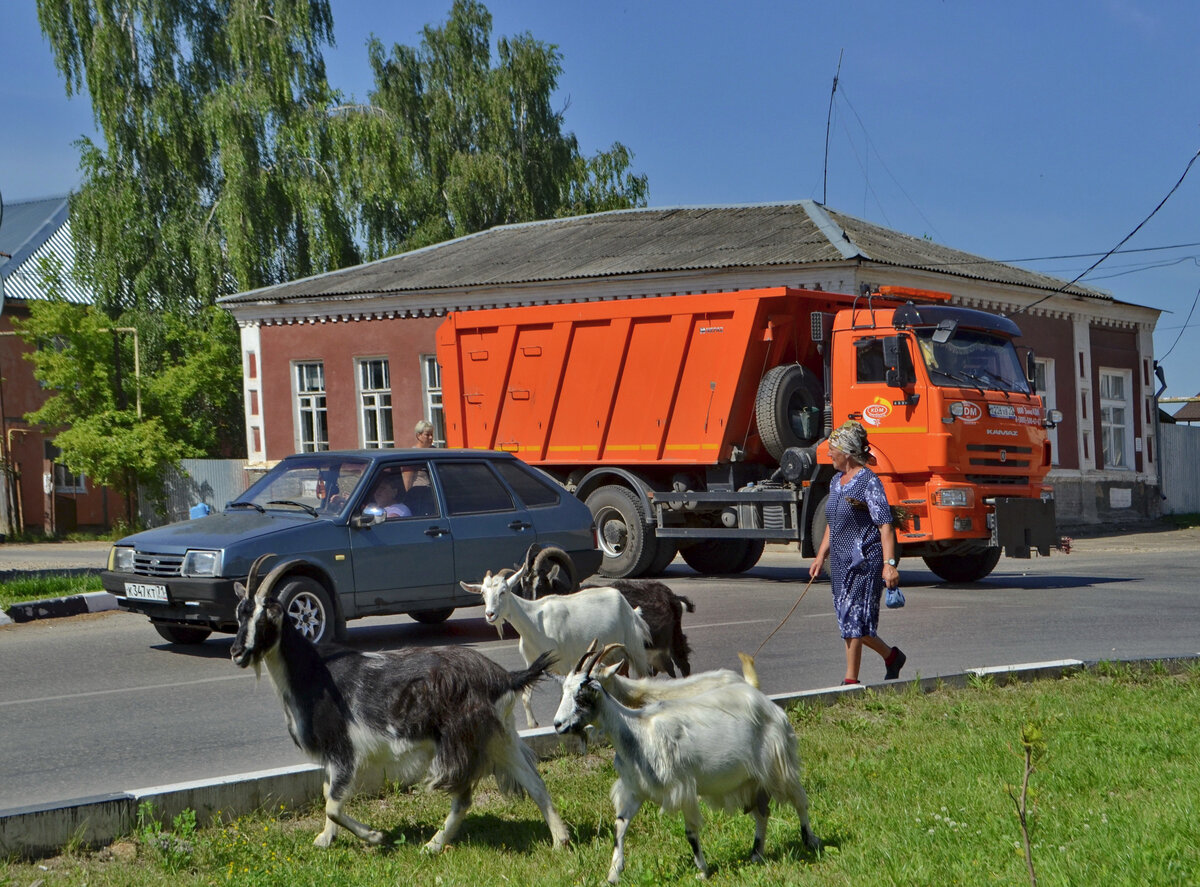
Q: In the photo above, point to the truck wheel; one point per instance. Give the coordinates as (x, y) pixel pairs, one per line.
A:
(181, 634)
(754, 551)
(788, 408)
(816, 530)
(307, 605)
(667, 549)
(720, 556)
(964, 567)
(625, 538)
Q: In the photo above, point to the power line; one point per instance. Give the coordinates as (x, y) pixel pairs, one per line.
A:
(1124, 240)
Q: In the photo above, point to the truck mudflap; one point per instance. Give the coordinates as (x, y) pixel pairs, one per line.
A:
(1019, 525)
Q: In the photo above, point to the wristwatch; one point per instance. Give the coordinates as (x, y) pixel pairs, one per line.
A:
(891, 562)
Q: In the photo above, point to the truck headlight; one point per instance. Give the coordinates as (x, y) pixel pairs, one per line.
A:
(954, 497)
(120, 559)
(198, 562)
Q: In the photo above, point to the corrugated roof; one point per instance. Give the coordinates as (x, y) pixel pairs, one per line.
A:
(644, 241)
(30, 231)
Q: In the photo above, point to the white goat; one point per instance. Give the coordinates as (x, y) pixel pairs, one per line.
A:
(441, 712)
(563, 625)
(730, 745)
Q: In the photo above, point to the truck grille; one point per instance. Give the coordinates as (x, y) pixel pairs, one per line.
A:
(993, 480)
(160, 565)
(997, 460)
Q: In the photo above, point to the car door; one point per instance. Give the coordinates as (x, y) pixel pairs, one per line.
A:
(406, 561)
(491, 529)
(893, 415)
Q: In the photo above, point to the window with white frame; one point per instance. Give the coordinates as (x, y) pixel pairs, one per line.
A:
(1116, 417)
(312, 426)
(66, 481)
(431, 389)
(375, 403)
(1043, 384)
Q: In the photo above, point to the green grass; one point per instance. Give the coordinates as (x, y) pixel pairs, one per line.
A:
(36, 588)
(905, 788)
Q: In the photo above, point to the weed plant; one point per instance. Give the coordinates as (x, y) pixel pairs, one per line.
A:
(905, 788)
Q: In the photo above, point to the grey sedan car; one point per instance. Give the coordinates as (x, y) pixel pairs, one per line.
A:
(376, 532)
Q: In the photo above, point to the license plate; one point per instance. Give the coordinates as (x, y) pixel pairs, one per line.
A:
(146, 592)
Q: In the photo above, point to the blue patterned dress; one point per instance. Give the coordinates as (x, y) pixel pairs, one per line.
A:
(855, 512)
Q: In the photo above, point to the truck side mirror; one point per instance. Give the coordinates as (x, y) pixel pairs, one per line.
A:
(1031, 369)
(891, 361)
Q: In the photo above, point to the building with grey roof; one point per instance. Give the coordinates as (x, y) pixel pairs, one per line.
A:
(1095, 353)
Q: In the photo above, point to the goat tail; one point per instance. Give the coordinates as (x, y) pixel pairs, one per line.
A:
(519, 680)
(687, 603)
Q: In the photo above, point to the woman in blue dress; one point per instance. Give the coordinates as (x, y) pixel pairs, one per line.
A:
(860, 544)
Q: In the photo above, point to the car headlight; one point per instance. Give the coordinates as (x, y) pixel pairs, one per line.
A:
(954, 497)
(198, 562)
(120, 559)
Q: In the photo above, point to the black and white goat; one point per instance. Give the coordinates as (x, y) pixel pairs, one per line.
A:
(663, 611)
(562, 625)
(730, 745)
(442, 713)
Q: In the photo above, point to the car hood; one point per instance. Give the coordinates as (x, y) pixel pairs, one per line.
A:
(220, 530)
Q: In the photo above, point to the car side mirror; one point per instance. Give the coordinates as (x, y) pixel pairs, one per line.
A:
(371, 515)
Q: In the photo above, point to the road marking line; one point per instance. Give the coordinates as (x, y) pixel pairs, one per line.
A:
(116, 690)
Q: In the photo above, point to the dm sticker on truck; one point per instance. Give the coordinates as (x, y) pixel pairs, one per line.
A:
(971, 412)
(875, 413)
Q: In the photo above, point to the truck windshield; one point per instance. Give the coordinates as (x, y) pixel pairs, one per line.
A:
(973, 359)
(317, 485)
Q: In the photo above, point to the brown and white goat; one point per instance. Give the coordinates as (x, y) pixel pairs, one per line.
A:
(444, 714)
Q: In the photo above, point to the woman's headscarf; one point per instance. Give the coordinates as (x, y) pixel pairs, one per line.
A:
(851, 439)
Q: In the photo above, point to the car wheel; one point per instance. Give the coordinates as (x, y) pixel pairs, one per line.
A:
(307, 604)
(625, 538)
(182, 634)
(432, 617)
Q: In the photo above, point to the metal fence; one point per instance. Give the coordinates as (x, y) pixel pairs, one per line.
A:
(211, 481)
(1181, 469)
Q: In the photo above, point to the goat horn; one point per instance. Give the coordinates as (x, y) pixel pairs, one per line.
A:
(586, 653)
(268, 583)
(515, 579)
(252, 577)
(610, 648)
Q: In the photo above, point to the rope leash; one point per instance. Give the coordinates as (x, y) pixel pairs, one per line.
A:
(787, 617)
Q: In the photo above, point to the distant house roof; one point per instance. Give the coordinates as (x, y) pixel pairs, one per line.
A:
(645, 242)
(30, 231)
(1189, 412)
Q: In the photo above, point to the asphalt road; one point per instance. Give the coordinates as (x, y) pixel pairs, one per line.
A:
(98, 703)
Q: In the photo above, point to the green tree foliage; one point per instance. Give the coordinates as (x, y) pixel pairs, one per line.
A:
(483, 144)
(227, 162)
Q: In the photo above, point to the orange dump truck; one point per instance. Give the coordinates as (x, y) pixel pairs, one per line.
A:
(698, 424)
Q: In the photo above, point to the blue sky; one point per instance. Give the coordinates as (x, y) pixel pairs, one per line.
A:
(1016, 130)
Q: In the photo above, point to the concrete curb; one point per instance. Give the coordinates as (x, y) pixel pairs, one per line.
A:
(43, 829)
(69, 605)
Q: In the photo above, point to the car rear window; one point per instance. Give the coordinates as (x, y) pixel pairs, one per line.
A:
(472, 487)
(531, 489)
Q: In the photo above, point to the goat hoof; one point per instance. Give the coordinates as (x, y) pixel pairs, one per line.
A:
(434, 847)
(374, 837)
(323, 840)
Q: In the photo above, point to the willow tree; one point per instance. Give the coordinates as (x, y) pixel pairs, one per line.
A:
(227, 162)
(482, 139)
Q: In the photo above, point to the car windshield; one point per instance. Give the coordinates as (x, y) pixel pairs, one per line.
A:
(972, 359)
(317, 485)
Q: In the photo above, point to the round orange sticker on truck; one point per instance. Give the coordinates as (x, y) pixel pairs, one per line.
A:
(875, 413)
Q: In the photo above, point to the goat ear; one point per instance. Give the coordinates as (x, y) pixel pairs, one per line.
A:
(239, 590)
(472, 588)
(609, 670)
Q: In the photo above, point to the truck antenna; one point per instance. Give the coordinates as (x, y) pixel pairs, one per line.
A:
(828, 121)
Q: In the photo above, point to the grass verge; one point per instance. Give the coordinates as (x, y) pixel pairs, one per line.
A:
(42, 586)
(905, 788)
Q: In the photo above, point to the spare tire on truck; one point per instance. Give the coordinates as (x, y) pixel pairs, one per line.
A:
(625, 538)
(788, 408)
